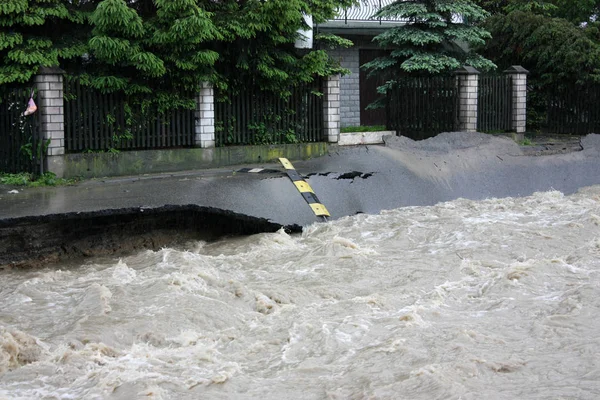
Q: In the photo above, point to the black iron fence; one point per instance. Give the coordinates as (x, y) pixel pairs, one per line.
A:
(572, 109)
(423, 107)
(494, 104)
(21, 146)
(99, 121)
(249, 116)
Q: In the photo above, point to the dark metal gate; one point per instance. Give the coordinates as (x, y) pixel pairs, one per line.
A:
(419, 108)
(21, 146)
(368, 90)
(494, 103)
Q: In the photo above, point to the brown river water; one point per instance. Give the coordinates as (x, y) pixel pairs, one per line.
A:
(492, 299)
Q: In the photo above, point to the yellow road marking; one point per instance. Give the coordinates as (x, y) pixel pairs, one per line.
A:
(286, 163)
(319, 210)
(303, 187)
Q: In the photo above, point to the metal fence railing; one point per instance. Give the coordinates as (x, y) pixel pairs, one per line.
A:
(494, 103)
(572, 109)
(21, 146)
(96, 121)
(249, 116)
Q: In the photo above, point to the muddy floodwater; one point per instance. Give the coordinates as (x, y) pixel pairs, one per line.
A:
(492, 299)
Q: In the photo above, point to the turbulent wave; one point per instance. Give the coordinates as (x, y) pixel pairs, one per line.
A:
(465, 299)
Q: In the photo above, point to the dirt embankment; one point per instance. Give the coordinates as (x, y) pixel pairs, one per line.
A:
(40, 240)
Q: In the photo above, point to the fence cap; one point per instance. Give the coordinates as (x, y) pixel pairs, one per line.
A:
(466, 70)
(50, 71)
(516, 69)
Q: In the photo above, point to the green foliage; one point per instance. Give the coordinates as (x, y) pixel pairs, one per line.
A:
(433, 41)
(28, 149)
(114, 17)
(492, 6)
(373, 128)
(261, 38)
(553, 49)
(27, 179)
(166, 47)
(13, 6)
(267, 133)
(332, 41)
(534, 6)
(268, 128)
(153, 54)
(38, 33)
(575, 11)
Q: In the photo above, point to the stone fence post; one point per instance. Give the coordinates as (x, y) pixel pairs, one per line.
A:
(519, 97)
(468, 91)
(205, 116)
(331, 108)
(50, 102)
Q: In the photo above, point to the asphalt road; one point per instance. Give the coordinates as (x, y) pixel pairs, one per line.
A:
(350, 180)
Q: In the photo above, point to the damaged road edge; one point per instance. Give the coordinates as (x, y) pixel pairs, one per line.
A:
(40, 240)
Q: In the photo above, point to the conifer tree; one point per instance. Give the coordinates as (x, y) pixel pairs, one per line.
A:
(151, 46)
(437, 37)
(554, 50)
(260, 38)
(166, 46)
(163, 46)
(38, 33)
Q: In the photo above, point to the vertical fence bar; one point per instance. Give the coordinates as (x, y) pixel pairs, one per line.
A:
(181, 137)
(71, 115)
(178, 138)
(76, 121)
(82, 122)
(104, 112)
(67, 111)
(237, 111)
(90, 134)
(80, 101)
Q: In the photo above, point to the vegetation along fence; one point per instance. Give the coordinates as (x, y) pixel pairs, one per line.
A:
(494, 104)
(96, 121)
(249, 116)
(423, 107)
(21, 146)
(572, 110)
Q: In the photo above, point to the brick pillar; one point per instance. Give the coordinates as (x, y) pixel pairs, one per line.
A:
(519, 97)
(468, 90)
(50, 102)
(331, 108)
(349, 85)
(205, 116)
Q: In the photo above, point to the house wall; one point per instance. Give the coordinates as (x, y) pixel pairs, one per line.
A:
(350, 84)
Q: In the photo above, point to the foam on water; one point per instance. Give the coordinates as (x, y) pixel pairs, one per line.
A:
(466, 299)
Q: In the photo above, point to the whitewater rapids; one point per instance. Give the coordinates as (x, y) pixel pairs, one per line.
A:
(494, 299)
